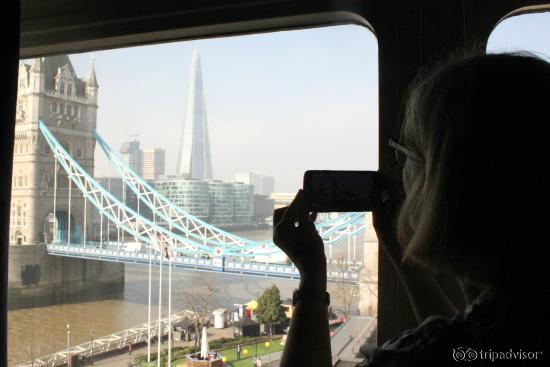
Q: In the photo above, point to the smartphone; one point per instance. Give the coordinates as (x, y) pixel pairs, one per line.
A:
(340, 191)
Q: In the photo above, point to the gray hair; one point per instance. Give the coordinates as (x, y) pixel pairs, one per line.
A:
(477, 123)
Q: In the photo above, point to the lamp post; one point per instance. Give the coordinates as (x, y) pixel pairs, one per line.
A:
(160, 309)
(170, 309)
(68, 345)
(92, 349)
(149, 308)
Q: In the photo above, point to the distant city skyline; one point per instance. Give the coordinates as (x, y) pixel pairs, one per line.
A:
(278, 103)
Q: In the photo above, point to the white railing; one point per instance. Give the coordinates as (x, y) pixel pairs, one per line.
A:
(117, 341)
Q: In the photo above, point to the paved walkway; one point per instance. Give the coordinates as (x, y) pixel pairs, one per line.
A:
(123, 359)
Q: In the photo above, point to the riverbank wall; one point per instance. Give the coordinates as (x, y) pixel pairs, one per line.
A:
(36, 279)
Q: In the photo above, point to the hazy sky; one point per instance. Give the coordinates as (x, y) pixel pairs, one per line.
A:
(277, 103)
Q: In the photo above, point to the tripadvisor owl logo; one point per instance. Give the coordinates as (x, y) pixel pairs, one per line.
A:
(467, 354)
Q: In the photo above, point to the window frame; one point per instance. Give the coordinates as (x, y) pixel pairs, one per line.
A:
(408, 38)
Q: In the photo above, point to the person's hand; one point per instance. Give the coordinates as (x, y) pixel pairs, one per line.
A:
(295, 234)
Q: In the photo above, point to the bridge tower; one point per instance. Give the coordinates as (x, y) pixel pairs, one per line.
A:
(49, 89)
(368, 284)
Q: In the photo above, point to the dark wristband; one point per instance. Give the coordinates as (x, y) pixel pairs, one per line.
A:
(310, 294)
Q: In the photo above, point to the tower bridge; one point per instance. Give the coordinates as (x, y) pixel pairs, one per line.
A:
(68, 194)
(183, 240)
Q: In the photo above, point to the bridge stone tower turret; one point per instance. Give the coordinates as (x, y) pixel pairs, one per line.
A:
(49, 89)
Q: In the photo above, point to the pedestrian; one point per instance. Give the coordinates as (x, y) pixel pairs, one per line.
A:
(129, 350)
(238, 351)
(259, 362)
(254, 362)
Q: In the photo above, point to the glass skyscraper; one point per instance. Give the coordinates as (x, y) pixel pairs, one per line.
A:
(190, 195)
(217, 202)
(195, 160)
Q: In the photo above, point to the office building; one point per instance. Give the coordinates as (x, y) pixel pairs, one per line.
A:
(243, 203)
(217, 202)
(149, 163)
(152, 163)
(263, 209)
(263, 184)
(222, 203)
(190, 195)
(130, 153)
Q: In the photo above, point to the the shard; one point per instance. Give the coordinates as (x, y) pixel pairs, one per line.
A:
(195, 160)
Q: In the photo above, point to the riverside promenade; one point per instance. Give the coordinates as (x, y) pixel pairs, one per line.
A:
(116, 346)
(123, 359)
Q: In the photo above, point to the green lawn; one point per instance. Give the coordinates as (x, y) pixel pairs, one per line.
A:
(246, 359)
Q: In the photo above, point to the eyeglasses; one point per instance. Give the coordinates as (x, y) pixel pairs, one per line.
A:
(401, 153)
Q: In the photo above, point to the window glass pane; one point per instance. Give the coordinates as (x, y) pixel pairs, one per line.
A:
(525, 32)
(221, 128)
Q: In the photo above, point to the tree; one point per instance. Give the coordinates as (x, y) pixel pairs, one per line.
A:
(343, 293)
(369, 291)
(198, 298)
(270, 311)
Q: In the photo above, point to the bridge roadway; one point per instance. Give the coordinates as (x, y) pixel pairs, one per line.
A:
(346, 271)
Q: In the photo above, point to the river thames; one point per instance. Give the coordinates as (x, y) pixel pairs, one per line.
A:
(39, 331)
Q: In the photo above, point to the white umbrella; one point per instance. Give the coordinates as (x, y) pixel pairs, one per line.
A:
(204, 344)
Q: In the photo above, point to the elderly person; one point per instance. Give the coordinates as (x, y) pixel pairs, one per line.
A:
(473, 151)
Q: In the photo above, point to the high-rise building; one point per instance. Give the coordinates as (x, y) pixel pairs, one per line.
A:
(49, 89)
(195, 161)
(243, 203)
(152, 163)
(222, 202)
(263, 209)
(263, 184)
(147, 163)
(190, 195)
(217, 202)
(131, 155)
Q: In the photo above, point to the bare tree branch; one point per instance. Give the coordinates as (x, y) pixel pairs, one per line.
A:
(198, 298)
